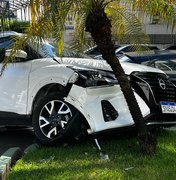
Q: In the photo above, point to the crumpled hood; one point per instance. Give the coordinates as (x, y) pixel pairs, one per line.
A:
(101, 64)
(92, 64)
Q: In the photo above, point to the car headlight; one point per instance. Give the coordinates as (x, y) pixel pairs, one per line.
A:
(89, 78)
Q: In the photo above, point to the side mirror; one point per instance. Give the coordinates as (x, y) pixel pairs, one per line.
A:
(19, 53)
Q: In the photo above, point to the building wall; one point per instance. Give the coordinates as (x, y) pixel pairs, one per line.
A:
(158, 31)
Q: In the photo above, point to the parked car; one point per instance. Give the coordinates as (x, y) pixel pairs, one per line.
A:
(75, 96)
(162, 59)
(171, 47)
(133, 48)
(94, 51)
(130, 48)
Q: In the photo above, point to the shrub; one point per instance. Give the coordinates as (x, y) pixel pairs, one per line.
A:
(18, 26)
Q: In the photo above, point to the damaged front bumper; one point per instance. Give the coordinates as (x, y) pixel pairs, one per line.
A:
(104, 107)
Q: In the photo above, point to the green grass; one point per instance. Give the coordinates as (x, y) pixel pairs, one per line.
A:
(82, 161)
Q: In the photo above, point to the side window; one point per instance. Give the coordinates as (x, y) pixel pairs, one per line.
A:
(31, 53)
(95, 51)
(163, 65)
(6, 42)
(122, 51)
(149, 63)
(129, 49)
(153, 48)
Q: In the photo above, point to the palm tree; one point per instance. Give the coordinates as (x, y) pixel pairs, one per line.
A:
(99, 26)
(48, 17)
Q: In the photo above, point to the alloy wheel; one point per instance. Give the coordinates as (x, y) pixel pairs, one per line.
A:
(54, 117)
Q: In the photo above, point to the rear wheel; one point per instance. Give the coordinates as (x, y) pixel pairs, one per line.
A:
(55, 120)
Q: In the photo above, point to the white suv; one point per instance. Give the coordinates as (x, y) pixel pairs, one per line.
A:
(75, 96)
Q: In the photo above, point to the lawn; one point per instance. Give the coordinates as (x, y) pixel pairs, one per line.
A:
(82, 161)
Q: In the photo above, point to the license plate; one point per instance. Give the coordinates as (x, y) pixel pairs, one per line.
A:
(168, 107)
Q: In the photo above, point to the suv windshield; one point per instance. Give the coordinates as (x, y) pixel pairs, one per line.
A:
(38, 50)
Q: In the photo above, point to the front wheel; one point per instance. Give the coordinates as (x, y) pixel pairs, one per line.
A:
(55, 120)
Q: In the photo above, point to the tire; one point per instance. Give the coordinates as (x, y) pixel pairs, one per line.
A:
(55, 120)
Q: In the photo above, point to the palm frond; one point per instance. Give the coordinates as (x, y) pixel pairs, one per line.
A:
(125, 23)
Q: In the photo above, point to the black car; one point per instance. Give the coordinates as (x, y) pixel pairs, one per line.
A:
(161, 59)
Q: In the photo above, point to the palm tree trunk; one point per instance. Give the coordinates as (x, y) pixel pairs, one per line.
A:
(99, 26)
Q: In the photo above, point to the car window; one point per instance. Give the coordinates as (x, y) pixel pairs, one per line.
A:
(125, 59)
(67, 52)
(124, 49)
(129, 49)
(132, 48)
(45, 50)
(36, 50)
(119, 50)
(95, 51)
(169, 65)
(149, 63)
(6, 42)
(92, 51)
(153, 48)
(31, 53)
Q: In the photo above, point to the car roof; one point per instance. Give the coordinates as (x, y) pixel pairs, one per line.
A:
(148, 55)
(96, 48)
(137, 45)
(9, 33)
(139, 57)
(143, 45)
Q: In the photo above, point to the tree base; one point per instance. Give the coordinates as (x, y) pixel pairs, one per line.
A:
(147, 143)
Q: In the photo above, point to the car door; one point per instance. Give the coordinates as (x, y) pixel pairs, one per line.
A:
(14, 83)
(14, 80)
(14, 87)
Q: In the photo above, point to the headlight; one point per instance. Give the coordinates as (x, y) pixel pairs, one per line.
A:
(89, 78)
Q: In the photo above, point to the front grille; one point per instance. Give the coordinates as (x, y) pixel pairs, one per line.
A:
(161, 87)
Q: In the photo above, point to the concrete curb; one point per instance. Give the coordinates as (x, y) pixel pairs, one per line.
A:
(32, 147)
(8, 159)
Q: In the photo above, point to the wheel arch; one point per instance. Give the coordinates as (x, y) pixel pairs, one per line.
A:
(77, 128)
(51, 88)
